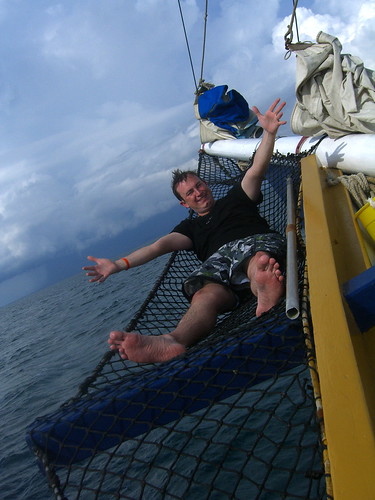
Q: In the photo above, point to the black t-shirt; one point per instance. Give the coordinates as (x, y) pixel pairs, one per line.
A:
(232, 217)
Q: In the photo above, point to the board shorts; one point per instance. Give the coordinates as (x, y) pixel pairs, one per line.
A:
(227, 265)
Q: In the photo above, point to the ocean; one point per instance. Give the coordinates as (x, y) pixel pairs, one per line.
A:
(51, 341)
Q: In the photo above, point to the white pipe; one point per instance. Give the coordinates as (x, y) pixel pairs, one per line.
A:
(292, 298)
(351, 153)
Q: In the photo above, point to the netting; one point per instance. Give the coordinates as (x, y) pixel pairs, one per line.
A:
(234, 417)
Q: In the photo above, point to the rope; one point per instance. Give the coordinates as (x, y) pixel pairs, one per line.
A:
(188, 47)
(204, 40)
(288, 37)
(316, 145)
(360, 187)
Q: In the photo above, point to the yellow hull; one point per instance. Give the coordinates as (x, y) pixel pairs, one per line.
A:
(345, 356)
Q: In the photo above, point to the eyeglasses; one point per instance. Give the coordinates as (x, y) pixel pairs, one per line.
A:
(198, 187)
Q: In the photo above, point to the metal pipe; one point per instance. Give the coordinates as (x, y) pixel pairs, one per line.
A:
(292, 296)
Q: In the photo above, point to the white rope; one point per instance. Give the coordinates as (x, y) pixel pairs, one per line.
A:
(360, 187)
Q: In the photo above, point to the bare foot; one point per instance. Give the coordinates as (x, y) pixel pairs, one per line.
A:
(145, 348)
(269, 283)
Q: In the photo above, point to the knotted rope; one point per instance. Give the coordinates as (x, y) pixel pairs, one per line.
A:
(360, 187)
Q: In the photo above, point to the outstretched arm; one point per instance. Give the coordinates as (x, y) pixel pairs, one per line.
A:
(106, 267)
(270, 121)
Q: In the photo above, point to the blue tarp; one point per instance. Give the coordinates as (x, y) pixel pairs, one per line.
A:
(180, 387)
(223, 108)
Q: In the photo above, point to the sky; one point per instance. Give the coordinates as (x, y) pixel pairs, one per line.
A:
(96, 110)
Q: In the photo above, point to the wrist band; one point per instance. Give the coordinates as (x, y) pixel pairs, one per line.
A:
(126, 262)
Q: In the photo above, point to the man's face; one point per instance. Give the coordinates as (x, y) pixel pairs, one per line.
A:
(196, 195)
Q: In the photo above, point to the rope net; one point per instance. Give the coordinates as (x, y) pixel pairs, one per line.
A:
(234, 417)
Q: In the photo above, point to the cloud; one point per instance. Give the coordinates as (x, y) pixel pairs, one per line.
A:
(91, 183)
(28, 281)
(355, 27)
(96, 104)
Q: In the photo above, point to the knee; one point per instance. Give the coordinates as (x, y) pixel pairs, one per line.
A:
(215, 295)
(202, 294)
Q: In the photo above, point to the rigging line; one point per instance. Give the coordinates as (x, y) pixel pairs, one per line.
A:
(288, 37)
(187, 45)
(296, 20)
(204, 41)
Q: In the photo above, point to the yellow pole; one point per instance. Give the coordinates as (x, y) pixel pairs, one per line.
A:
(345, 357)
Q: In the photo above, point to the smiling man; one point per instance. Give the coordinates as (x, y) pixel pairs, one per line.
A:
(237, 248)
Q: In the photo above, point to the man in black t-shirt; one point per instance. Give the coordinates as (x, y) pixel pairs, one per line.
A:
(226, 237)
(235, 244)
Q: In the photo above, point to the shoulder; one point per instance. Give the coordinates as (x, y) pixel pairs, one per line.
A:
(173, 241)
(182, 226)
(233, 193)
(237, 193)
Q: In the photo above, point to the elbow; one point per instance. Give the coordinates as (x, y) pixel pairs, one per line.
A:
(159, 247)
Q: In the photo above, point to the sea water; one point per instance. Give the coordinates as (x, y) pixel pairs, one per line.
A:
(50, 342)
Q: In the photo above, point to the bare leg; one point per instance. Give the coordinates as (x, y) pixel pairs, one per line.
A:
(212, 300)
(266, 281)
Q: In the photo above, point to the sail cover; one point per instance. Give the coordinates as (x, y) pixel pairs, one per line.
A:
(224, 114)
(335, 93)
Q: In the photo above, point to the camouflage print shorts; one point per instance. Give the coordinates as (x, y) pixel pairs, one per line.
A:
(227, 265)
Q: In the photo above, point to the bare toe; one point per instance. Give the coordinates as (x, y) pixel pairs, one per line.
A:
(269, 284)
(116, 338)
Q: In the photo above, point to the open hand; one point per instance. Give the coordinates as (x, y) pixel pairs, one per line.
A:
(270, 121)
(103, 269)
